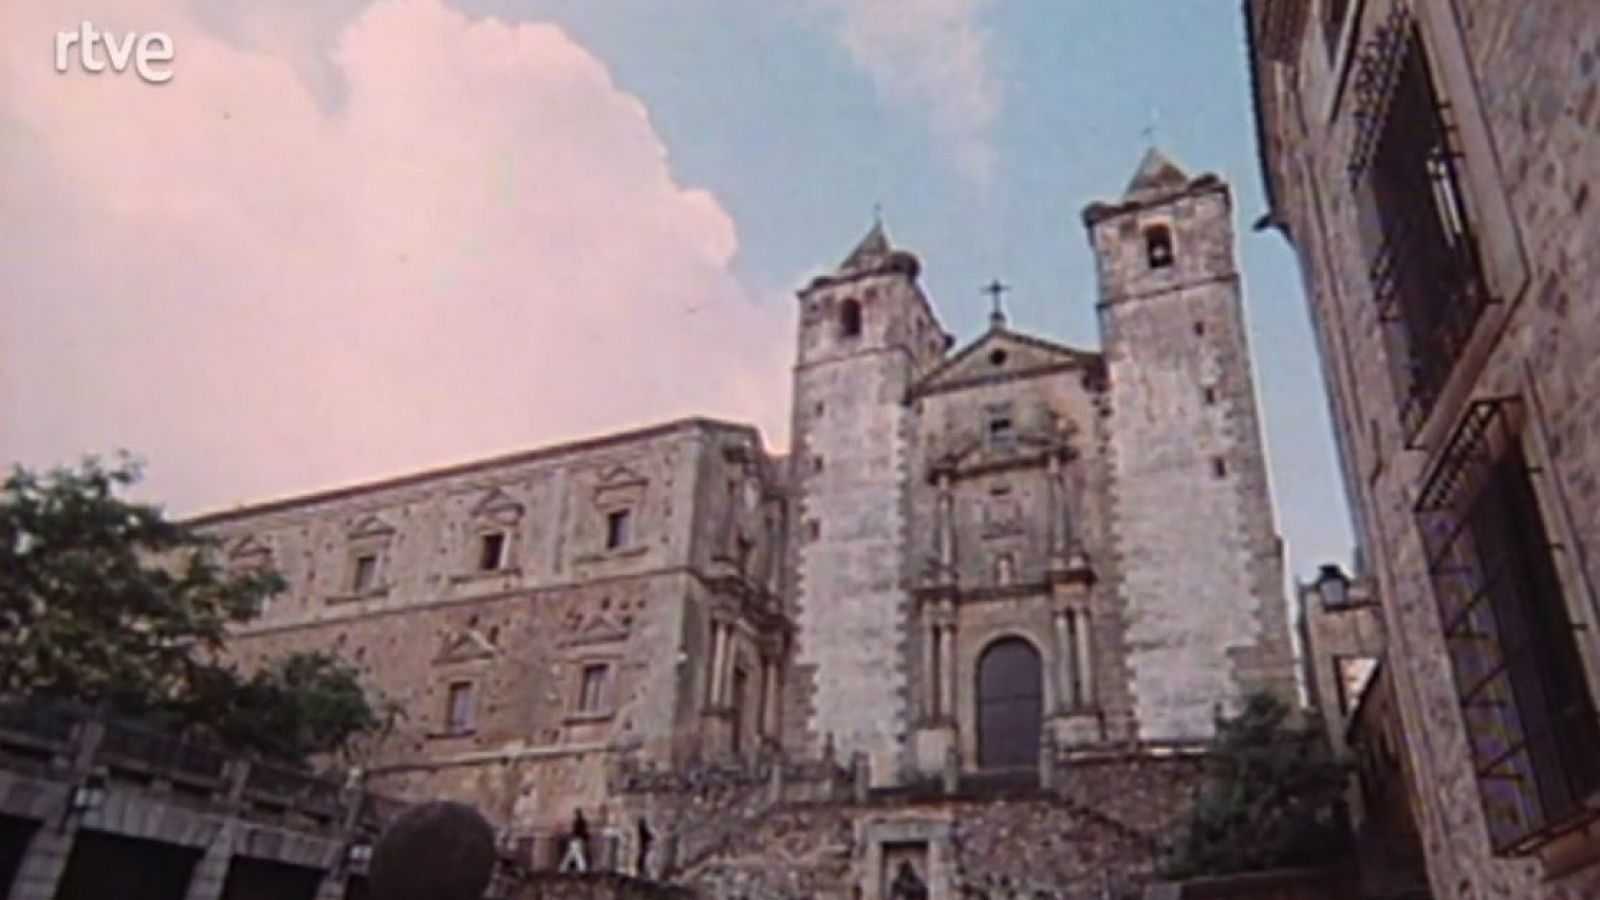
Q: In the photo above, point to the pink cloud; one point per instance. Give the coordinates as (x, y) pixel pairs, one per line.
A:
(482, 248)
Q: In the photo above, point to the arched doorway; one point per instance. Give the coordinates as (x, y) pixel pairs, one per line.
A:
(1010, 705)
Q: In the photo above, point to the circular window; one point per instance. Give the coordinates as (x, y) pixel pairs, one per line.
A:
(997, 357)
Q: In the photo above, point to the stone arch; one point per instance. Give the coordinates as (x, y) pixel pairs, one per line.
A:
(1010, 704)
(1159, 248)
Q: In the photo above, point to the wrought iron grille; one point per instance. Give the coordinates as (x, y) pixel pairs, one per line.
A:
(1531, 724)
(1426, 274)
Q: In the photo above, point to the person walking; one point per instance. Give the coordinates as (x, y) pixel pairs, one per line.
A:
(576, 858)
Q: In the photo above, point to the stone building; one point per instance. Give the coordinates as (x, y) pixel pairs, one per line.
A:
(1432, 164)
(1352, 695)
(991, 592)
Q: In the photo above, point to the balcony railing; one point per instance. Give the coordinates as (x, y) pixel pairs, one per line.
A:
(70, 741)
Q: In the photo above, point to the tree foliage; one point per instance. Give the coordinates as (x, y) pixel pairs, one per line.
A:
(104, 601)
(1272, 798)
(293, 708)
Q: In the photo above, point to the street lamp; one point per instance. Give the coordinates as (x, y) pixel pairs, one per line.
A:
(1333, 585)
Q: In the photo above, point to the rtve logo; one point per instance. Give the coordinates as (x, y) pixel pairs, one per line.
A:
(143, 50)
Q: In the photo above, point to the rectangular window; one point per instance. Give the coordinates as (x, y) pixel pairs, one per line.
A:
(1427, 278)
(458, 708)
(1531, 728)
(619, 528)
(364, 573)
(1001, 429)
(592, 693)
(491, 551)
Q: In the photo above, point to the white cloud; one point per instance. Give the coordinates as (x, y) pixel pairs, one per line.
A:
(480, 248)
(929, 55)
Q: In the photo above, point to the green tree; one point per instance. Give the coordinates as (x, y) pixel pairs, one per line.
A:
(1272, 798)
(106, 602)
(291, 709)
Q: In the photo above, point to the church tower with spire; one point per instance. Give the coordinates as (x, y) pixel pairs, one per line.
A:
(866, 334)
(1199, 585)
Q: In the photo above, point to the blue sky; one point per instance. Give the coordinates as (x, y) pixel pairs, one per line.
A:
(770, 113)
(627, 186)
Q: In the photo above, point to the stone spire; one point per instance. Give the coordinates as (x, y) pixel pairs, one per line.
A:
(876, 253)
(872, 250)
(1157, 174)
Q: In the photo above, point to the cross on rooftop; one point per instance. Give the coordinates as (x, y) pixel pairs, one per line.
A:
(996, 290)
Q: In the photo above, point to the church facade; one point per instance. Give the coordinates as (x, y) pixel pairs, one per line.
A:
(975, 625)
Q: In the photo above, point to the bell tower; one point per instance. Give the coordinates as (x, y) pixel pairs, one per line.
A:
(866, 334)
(1200, 576)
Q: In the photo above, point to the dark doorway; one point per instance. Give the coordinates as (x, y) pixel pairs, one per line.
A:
(108, 867)
(355, 888)
(1010, 705)
(261, 879)
(15, 835)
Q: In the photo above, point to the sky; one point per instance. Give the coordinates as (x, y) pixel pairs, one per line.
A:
(357, 238)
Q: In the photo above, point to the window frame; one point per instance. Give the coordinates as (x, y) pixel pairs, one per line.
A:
(600, 703)
(1003, 438)
(1407, 170)
(460, 718)
(1504, 686)
(619, 528)
(502, 554)
(372, 582)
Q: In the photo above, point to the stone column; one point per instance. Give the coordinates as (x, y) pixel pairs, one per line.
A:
(930, 662)
(1085, 660)
(947, 673)
(769, 697)
(1054, 501)
(719, 649)
(1065, 663)
(725, 671)
(945, 531)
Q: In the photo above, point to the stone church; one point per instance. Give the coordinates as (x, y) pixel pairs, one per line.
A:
(976, 624)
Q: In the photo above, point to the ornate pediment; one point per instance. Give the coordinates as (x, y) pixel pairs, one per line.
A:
(599, 622)
(498, 506)
(466, 645)
(249, 549)
(370, 526)
(597, 630)
(619, 485)
(1002, 354)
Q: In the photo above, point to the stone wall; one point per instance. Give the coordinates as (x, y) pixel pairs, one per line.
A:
(551, 886)
(518, 638)
(1196, 562)
(1096, 833)
(1522, 86)
(852, 445)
